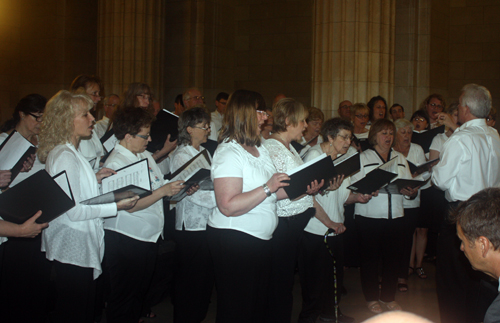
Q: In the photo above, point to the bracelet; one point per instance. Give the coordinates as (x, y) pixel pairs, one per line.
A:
(266, 190)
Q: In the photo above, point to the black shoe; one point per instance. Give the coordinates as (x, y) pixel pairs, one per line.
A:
(342, 318)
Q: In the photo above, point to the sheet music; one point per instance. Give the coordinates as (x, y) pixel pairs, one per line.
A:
(301, 167)
(136, 174)
(110, 143)
(197, 164)
(344, 157)
(13, 151)
(62, 180)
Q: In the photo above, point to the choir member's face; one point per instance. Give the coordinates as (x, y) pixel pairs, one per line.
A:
(433, 108)
(403, 136)
(360, 118)
(342, 141)
(31, 122)
(296, 131)
(83, 122)
(345, 109)
(397, 113)
(199, 133)
(143, 100)
(94, 90)
(384, 139)
(419, 123)
(139, 142)
(379, 109)
(261, 118)
(313, 127)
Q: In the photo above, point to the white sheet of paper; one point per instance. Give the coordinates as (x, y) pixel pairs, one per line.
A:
(137, 174)
(301, 167)
(110, 143)
(197, 164)
(63, 182)
(13, 150)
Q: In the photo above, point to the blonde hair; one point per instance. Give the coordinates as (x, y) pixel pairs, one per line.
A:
(290, 109)
(240, 120)
(58, 120)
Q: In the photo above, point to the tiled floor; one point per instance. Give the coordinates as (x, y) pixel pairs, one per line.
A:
(420, 299)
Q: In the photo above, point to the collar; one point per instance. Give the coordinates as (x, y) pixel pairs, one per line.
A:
(480, 122)
(127, 153)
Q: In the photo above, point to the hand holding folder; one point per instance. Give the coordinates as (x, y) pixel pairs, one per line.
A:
(14, 152)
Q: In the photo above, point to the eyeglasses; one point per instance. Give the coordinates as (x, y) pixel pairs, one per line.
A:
(489, 118)
(361, 116)
(202, 128)
(263, 113)
(345, 137)
(145, 97)
(96, 95)
(419, 119)
(196, 97)
(145, 137)
(434, 105)
(37, 118)
(111, 105)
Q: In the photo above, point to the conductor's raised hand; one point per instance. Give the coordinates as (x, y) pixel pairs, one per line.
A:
(276, 181)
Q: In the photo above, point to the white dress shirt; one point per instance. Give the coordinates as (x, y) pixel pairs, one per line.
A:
(216, 124)
(77, 236)
(469, 161)
(232, 160)
(144, 225)
(101, 126)
(286, 160)
(332, 202)
(378, 206)
(193, 211)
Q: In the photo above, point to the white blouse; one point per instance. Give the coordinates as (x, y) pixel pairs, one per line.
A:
(438, 142)
(417, 157)
(92, 149)
(286, 160)
(232, 160)
(378, 207)
(144, 225)
(101, 126)
(193, 211)
(332, 202)
(77, 236)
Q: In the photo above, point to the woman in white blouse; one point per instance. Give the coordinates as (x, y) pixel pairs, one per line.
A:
(315, 262)
(194, 278)
(131, 236)
(240, 228)
(74, 240)
(289, 123)
(415, 238)
(379, 222)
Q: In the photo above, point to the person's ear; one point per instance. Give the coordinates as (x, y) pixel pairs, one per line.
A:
(485, 245)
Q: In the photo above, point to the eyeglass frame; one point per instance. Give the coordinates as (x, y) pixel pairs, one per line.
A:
(143, 136)
(37, 118)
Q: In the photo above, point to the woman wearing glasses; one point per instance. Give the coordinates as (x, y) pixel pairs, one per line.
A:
(131, 236)
(360, 116)
(433, 105)
(194, 278)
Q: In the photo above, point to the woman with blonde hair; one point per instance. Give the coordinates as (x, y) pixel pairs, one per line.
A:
(239, 230)
(75, 240)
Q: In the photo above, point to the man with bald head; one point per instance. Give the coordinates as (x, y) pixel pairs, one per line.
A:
(193, 98)
(345, 110)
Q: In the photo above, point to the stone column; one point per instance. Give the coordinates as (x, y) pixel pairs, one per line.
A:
(130, 41)
(353, 52)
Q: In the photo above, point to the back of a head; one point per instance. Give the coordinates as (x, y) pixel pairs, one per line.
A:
(477, 98)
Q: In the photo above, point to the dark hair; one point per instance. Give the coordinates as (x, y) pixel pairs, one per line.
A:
(240, 119)
(315, 114)
(222, 96)
(178, 99)
(480, 216)
(396, 105)
(32, 103)
(380, 125)
(372, 102)
(130, 121)
(190, 118)
(423, 114)
(85, 81)
(333, 126)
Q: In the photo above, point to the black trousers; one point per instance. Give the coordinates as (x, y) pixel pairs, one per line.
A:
(317, 280)
(129, 264)
(25, 281)
(285, 246)
(75, 288)
(410, 224)
(242, 265)
(194, 276)
(380, 239)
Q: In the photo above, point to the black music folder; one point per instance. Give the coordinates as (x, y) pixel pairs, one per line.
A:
(14, 151)
(396, 186)
(166, 123)
(319, 168)
(425, 167)
(201, 177)
(424, 139)
(347, 165)
(363, 143)
(376, 179)
(40, 191)
(128, 181)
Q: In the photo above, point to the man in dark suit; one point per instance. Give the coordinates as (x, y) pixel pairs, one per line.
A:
(478, 227)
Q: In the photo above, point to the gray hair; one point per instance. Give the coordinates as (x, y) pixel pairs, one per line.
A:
(402, 123)
(187, 95)
(477, 98)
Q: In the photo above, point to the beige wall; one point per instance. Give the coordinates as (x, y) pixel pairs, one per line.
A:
(475, 46)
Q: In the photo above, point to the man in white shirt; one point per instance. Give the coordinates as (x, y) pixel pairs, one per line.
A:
(478, 227)
(218, 115)
(470, 162)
